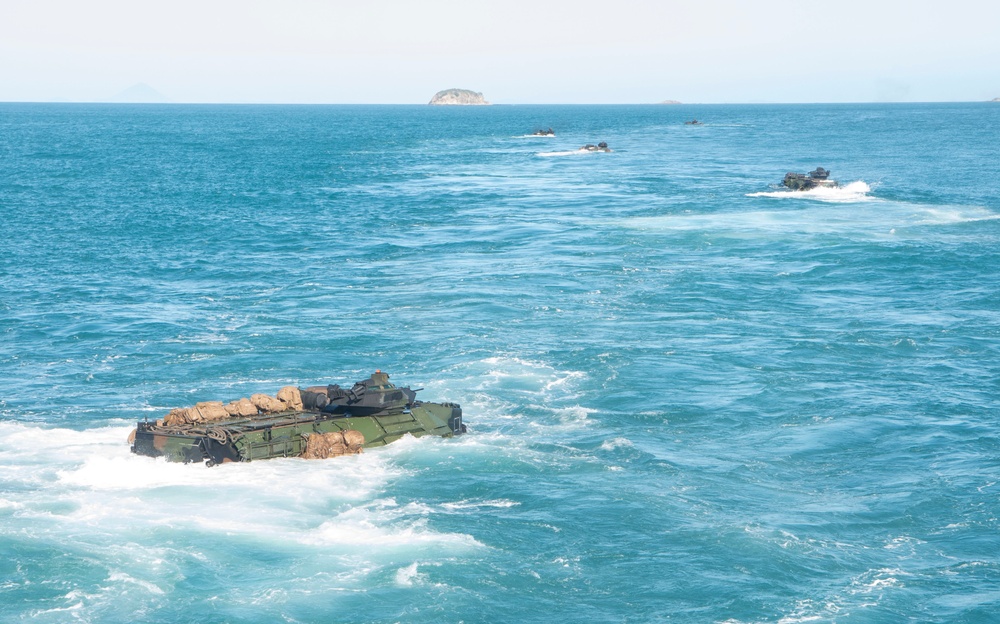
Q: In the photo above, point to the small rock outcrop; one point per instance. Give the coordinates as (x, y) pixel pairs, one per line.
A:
(458, 97)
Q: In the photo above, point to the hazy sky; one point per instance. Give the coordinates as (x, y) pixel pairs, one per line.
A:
(516, 51)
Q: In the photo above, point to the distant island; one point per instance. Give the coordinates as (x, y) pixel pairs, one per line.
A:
(140, 93)
(458, 97)
(995, 100)
(670, 102)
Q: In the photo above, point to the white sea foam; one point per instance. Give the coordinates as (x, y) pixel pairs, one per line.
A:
(576, 152)
(866, 590)
(798, 618)
(76, 606)
(808, 610)
(270, 596)
(96, 486)
(116, 469)
(616, 443)
(125, 578)
(387, 525)
(19, 440)
(476, 505)
(848, 193)
(948, 215)
(574, 415)
(876, 581)
(526, 375)
(406, 577)
(891, 220)
(9, 504)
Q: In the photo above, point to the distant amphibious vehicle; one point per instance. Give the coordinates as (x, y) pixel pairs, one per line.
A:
(806, 182)
(314, 423)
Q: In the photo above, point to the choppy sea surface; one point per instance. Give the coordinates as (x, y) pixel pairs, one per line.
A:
(691, 396)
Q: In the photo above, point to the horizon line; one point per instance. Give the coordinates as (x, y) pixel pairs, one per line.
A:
(491, 104)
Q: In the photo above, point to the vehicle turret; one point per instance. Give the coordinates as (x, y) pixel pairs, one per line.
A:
(367, 397)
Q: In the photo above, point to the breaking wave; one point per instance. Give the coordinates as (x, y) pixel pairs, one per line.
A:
(849, 193)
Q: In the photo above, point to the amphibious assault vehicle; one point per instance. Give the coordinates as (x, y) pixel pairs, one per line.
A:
(806, 182)
(264, 427)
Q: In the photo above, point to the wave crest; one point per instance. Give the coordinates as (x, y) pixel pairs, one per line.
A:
(854, 192)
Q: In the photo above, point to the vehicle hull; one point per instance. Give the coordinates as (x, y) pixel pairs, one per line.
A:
(284, 434)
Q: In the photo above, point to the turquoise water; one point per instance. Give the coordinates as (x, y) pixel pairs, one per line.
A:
(691, 396)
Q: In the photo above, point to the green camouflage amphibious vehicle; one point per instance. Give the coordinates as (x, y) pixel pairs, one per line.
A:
(806, 182)
(315, 422)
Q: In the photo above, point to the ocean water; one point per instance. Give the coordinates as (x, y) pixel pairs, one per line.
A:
(691, 396)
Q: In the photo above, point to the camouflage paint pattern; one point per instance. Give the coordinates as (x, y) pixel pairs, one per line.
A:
(283, 434)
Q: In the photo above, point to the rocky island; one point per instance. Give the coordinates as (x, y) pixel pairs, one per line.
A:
(670, 102)
(457, 97)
